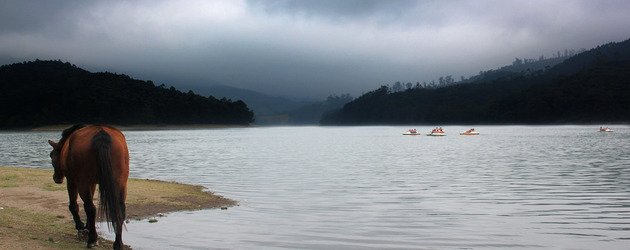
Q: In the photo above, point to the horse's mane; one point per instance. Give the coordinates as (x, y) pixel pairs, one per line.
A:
(67, 132)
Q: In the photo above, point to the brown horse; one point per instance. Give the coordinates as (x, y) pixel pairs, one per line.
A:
(88, 155)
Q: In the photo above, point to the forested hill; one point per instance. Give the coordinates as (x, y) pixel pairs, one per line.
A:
(590, 87)
(52, 92)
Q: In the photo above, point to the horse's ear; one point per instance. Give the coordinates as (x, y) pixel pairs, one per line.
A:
(52, 143)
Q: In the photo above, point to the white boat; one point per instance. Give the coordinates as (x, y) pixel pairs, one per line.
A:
(606, 129)
(436, 134)
(469, 133)
(411, 132)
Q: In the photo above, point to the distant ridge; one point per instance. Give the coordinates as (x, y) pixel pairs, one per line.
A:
(42, 93)
(267, 109)
(261, 104)
(590, 87)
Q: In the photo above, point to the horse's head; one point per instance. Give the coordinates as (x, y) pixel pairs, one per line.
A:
(56, 159)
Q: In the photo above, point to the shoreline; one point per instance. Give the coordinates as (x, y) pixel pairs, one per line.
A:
(34, 210)
(139, 127)
(148, 127)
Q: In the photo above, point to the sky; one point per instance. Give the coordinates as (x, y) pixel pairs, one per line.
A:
(305, 49)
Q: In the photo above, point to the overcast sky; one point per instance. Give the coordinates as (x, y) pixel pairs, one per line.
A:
(302, 48)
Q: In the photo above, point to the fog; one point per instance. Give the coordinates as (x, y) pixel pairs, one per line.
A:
(302, 48)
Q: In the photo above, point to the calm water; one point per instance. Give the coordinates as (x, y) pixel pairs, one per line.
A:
(372, 188)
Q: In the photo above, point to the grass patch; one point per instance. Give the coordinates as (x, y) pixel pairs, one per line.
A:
(19, 177)
(40, 230)
(51, 186)
(8, 180)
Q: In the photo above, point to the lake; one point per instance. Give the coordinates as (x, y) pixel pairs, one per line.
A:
(373, 188)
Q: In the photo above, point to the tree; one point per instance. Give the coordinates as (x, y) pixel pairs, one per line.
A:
(517, 62)
(409, 85)
(449, 79)
(397, 87)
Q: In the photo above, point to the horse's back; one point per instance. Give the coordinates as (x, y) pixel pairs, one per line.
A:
(80, 156)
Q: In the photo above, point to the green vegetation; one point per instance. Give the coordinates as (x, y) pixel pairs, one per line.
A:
(44, 93)
(9, 180)
(590, 87)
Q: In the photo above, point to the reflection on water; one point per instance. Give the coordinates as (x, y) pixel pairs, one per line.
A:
(371, 187)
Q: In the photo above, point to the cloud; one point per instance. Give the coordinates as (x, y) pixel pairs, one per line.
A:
(338, 11)
(302, 48)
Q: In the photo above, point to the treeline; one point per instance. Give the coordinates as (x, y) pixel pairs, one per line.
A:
(590, 87)
(41, 93)
(524, 66)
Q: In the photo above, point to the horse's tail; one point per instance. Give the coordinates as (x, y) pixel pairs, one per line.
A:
(109, 193)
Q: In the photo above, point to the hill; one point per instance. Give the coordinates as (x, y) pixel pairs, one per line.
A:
(267, 109)
(52, 92)
(273, 110)
(261, 104)
(312, 113)
(519, 66)
(590, 87)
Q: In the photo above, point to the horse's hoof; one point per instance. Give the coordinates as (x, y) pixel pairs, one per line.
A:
(91, 245)
(82, 234)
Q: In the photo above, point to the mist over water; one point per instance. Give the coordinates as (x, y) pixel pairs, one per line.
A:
(373, 188)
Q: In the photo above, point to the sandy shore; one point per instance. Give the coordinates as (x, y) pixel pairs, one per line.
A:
(34, 210)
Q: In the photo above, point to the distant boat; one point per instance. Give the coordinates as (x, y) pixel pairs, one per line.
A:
(606, 129)
(412, 131)
(470, 132)
(437, 132)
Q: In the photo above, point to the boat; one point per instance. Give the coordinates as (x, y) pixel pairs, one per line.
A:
(606, 129)
(437, 132)
(470, 132)
(412, 131)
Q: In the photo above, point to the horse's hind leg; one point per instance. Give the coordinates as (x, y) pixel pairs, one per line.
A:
(90, 212)
(120, 224)
(74, 207)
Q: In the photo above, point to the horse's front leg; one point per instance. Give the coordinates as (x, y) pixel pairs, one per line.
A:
(74, 207)
(90, 212)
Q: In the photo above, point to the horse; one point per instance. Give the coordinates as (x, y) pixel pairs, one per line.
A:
(88, 155)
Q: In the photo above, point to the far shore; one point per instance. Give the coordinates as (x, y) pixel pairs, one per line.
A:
(34, 210)
(139, 127)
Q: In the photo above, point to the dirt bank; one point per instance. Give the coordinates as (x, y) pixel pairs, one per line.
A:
(34, 210)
